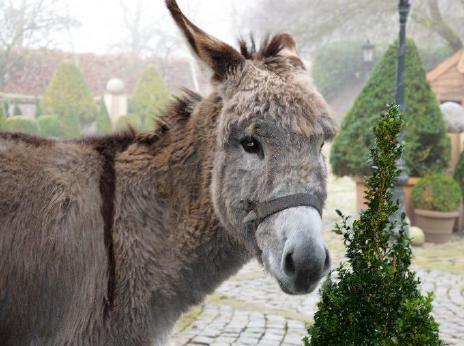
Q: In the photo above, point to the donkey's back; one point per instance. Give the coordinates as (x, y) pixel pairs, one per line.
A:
(52, 252)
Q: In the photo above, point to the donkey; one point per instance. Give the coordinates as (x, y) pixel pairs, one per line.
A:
(107, 241)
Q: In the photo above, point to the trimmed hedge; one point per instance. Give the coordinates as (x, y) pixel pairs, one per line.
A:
(150, 95)
(21, 123)
(50, 126)
(437, 192)
(427, 145)
(68, 95)
(131, 120)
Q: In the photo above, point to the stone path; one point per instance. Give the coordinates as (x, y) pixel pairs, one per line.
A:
(250, 308)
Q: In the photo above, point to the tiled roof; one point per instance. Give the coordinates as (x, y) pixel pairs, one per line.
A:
(33, 70)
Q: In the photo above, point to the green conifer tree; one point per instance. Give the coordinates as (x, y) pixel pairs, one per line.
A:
(150, 96)
(103, 123)
(68, 96)
(427, 147)
(129, 120)
(374, 298)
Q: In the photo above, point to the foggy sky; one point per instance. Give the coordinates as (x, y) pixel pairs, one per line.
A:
(101, 21)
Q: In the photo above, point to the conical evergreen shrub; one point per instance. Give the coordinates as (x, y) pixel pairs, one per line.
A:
(150, 96)
(103, 123)
(68, 95)
(374, 298)
(129, 120)
(427, 146)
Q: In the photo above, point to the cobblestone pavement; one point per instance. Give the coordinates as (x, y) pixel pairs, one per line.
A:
(250, 308)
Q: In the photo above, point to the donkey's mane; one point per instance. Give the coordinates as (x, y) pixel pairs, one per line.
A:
(269, 50)
(177, 111)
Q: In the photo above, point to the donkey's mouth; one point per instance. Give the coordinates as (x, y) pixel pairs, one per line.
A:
(284, 288)
(311, 287)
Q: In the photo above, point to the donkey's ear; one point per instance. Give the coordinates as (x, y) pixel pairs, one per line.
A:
(219, 56)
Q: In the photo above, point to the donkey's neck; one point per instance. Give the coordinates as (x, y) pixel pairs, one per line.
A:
(184, 251)
(207, 252)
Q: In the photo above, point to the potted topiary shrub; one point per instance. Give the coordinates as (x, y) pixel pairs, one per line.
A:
(459, 177)
(436, 199)
(427, 147)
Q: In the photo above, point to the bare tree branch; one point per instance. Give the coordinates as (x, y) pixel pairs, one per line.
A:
(28, 24)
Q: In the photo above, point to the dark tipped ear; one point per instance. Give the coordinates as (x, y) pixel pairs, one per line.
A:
(219, 56)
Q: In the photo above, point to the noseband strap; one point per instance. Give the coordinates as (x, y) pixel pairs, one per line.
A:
(258, 212)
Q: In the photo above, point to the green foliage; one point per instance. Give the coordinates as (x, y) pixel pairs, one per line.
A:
(50, 126)
(68, 95)
(21, 123)
(6, 107)
(459, 173)
(150, 95)
(336, 65)
(17, 109)
(103, 121)
(38, 109)
(427, 145)
(129, 120)
(71, 126)
(437, 192)
(374, 298)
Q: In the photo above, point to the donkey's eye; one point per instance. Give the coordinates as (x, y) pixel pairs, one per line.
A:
(251, 145)
(322, 146)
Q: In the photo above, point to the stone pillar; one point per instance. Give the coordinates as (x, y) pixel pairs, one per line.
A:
(454, 117)
(453, 113)
(116, 99)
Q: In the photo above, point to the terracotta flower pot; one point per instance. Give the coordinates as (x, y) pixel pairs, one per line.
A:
(409, 209)
(436, 225)
(361, 202)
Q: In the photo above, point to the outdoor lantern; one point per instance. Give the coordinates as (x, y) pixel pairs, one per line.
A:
(368, 51)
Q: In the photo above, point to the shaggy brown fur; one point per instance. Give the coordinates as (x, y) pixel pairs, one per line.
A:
(106, 241)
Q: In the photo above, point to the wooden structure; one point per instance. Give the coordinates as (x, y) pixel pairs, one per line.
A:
(447, 79)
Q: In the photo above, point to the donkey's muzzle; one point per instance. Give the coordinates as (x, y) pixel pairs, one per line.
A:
(304, 265)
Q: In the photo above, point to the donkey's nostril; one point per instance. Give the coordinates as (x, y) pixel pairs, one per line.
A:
(289, 265)
(327, 260)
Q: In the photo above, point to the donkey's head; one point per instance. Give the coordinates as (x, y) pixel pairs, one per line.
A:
(269, 175)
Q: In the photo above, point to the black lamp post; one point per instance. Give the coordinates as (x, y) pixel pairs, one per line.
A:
(403, 9)
(368, 56)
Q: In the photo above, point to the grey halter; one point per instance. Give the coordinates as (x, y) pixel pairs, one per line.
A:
(258, 212)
